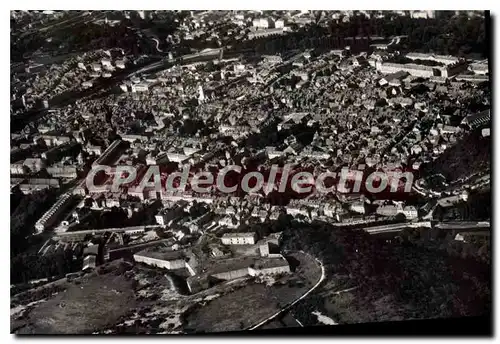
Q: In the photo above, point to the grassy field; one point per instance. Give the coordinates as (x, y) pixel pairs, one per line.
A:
(86, 305)
(234, 311)
(254, 302)
(118, 298)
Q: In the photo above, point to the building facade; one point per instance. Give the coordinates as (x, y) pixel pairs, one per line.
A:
(239, 238)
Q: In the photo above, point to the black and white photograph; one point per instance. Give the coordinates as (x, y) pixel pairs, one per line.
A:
(250, 172)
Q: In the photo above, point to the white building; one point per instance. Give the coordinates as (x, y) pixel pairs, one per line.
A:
(423, 14)
(139, 87)
(279, 24)
(62, 171)
(18, 168)
(459, 237)
(165, 216)
(89, 262)
(238, 68)
(162, 258)
(411, 68)
(106, 63)
(262, 23)
(176, 157)
(239, 238)
(358, 207)
(410, 212)
(87, 84)
(141, 14)
(201, 94)
(120, 64)
(480, 68)
(387, 210)
(34, 164)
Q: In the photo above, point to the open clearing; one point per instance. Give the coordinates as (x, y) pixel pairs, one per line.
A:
(119, 298)
(85, 306)
(254, 302)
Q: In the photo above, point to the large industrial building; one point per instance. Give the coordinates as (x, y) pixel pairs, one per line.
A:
(109, 154)
(421, 70)
(49, 218)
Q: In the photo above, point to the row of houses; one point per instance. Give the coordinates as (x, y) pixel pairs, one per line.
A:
(421, 70)
(50, 217)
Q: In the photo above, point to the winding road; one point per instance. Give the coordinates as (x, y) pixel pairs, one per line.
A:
(321, 279)
(157, 45)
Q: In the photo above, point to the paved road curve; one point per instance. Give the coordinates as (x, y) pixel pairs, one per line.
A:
(290, 305)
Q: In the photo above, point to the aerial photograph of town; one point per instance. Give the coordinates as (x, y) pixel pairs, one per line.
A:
(248, 171)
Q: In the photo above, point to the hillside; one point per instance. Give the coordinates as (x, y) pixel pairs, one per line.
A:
(406, 280)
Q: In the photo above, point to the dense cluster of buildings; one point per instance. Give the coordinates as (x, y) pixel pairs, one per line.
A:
(202, 271)
(313, 109)
(383, 104)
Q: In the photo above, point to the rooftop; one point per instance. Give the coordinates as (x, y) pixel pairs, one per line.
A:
(239, 235)
(163, 253)
(232, 264)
